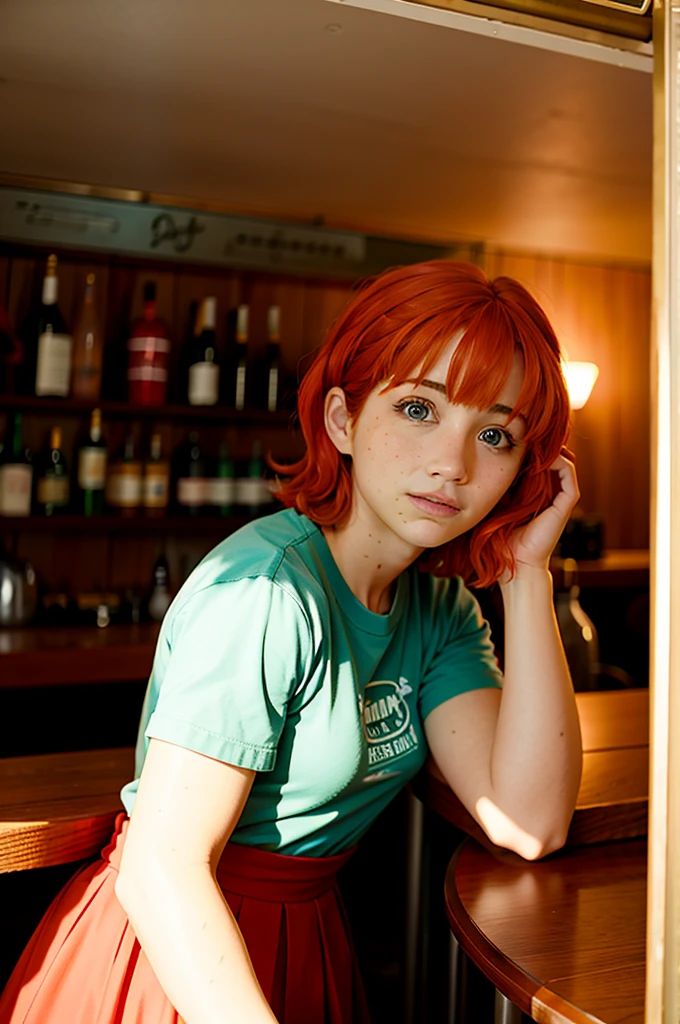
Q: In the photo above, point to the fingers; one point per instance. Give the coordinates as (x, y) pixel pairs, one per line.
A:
(569, 493)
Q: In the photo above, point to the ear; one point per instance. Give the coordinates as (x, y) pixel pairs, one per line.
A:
(337, 421)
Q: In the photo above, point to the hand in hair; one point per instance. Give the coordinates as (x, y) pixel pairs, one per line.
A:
(532, 545)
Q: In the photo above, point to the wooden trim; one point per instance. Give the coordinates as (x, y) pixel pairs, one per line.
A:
(662, 1004)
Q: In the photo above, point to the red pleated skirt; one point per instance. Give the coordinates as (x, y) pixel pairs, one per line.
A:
(84, 965)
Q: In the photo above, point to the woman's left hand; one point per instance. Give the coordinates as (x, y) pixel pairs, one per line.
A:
(533, 544)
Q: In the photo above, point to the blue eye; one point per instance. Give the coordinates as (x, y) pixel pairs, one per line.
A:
(415, 409)
(497, 438)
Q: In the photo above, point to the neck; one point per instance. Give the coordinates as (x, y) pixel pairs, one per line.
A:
(369, 561)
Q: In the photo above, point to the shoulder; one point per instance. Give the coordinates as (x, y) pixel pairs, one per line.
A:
(263, 566)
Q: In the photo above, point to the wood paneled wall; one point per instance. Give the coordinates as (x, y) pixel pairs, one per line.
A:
(602, 315)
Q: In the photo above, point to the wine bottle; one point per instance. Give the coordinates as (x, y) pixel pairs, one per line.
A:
(204, 373)
(221, 493)
(149, 353)
(124, 480)
(52, 486)
(253, 495)
(92, 457)
(16, 471)
(156, 489)
(272, 363)
(191, 485)
(55, 344)
(88, 348)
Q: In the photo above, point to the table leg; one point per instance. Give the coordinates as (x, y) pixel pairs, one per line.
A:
(414, 901)
(457, 982)
(506, 1012)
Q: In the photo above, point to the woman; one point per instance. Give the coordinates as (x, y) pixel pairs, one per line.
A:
(308, 664)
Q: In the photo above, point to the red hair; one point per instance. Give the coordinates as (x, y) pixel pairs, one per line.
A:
(396, 327)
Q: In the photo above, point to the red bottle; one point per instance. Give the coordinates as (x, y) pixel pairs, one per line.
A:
(148, 355)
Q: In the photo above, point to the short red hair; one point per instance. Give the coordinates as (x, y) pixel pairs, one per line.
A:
(396, 327)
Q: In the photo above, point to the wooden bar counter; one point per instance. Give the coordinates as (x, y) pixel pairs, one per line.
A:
(563, 939)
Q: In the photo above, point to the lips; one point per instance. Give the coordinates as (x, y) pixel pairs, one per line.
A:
(434, 504)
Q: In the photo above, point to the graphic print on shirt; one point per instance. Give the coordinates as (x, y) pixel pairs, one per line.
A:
(387, 722)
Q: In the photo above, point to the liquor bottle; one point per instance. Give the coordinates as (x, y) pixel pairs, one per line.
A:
(55, 344)
(253, 495)
(149, 353)
(124, 480)
(16, 471)
(88, 348)
(160, 598)
(11, 355)
(237, 376)
(221, 491)
(272, 363)
(92, 457)
(191, 485)
(156, 487)
(204, 373)
(52, 486)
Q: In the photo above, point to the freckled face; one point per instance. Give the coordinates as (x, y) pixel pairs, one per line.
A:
(426, 471)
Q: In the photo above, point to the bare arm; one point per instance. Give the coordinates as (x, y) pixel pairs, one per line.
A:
(187, 807)
(514, 758)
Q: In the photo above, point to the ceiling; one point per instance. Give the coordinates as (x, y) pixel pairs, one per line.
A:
(305, 109)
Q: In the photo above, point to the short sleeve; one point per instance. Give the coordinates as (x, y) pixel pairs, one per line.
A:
(237, 653)
(460, 655)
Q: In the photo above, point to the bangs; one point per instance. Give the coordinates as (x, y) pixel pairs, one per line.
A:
(480, 366)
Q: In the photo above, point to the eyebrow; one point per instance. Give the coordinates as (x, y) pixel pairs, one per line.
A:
(498, 408)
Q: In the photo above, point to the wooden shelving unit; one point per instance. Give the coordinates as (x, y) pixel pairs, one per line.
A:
(212, 415)
(168, 525)
(72, 655)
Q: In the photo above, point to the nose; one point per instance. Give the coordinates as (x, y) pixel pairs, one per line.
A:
(450, 459)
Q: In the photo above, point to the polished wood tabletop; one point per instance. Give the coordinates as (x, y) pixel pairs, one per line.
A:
(613, 797)
(56, 808)
(562, 938)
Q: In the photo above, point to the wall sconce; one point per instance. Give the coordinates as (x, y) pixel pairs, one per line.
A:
(580, 378)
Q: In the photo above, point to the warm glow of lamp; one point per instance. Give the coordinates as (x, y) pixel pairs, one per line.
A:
(580, 378)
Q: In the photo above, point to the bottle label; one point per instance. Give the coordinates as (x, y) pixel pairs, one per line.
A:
(148, 345)
(53, 490)
(92, 469)
(124, 489)
(155, 490)
(53, 374)
(204, 384)
(192, 490)
(240, 387)
(148, 372)
(273, 389)
(221, 491)
(15, 489)
(252, 491)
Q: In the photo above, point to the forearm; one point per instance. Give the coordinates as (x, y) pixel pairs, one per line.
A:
(194, 945)
(536, 753)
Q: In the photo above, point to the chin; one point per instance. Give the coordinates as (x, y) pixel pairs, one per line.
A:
(430, 535)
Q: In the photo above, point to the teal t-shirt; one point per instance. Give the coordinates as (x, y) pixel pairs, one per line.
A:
(267, 660)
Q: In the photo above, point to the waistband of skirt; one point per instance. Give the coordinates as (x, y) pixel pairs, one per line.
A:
(256, 873)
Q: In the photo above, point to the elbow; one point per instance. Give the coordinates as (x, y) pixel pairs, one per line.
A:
(531, 840)
(534, 848)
